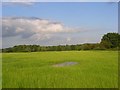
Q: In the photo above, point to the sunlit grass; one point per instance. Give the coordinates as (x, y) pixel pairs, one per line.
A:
(95, 69)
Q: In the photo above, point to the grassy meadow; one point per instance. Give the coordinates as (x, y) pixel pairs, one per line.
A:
(95, 69)
(0, 70)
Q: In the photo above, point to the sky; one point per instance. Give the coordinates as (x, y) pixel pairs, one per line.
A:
(57, 23)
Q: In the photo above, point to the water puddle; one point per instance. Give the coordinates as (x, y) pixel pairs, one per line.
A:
(65, 64)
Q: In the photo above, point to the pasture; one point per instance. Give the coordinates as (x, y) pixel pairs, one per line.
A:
(93, 69)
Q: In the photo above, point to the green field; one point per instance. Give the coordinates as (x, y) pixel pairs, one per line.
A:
(0, 70)
(95, 69)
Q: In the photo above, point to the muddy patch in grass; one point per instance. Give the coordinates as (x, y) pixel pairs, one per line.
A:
(65, 64)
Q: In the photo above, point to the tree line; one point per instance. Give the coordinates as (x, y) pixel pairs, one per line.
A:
(108, 41)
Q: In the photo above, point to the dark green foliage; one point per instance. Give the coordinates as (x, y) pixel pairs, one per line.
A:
(88, 46)
(109, 41)
(37, 48)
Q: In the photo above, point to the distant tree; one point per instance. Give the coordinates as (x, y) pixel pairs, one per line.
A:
(77, 47)
(110, 40)
(72, 47)
(68, 47)
(97, 47)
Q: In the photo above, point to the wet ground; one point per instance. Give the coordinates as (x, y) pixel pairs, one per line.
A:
(65, 64)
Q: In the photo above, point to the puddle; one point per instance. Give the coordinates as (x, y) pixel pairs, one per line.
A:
(65, 64)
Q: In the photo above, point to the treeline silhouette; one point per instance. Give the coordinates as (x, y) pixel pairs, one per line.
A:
(110, 41)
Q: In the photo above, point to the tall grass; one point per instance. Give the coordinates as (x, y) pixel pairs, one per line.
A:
(95, 69)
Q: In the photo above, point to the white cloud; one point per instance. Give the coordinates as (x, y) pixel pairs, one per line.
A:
(22, 30)
(68, 39)
(36, 28)
(21, 2)
(24, 1)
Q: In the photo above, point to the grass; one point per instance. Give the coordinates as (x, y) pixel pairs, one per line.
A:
(0, 70)
(95, 69)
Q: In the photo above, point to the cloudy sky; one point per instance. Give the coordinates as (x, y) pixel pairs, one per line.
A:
(50, 23)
